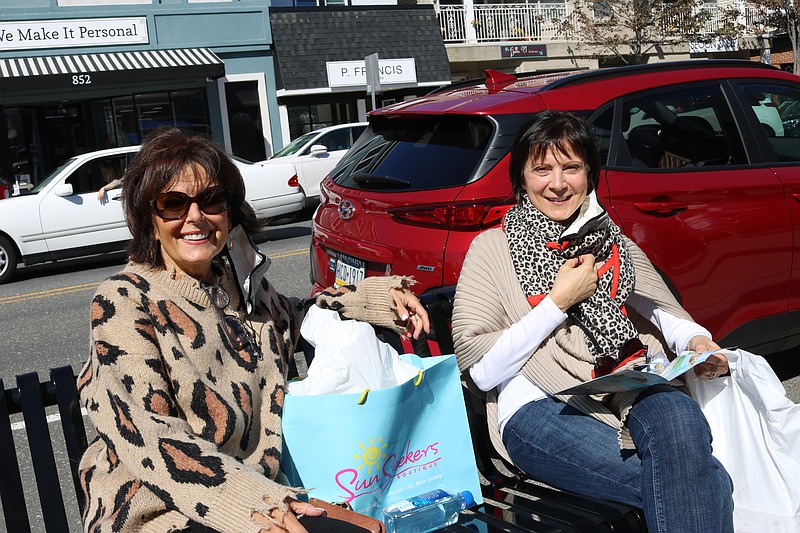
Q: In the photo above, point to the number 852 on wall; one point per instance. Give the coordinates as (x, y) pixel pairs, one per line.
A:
(81, 79)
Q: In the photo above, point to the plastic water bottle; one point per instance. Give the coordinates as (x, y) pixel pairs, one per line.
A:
(426, 512)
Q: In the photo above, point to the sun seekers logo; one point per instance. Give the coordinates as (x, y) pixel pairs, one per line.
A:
(405, 462)
(372, 454)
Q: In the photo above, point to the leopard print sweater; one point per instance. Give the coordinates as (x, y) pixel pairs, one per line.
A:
(187, 427)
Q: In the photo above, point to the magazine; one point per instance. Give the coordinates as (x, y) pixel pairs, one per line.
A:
(645, 376)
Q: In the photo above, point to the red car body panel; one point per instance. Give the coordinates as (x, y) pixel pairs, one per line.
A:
(723, 238)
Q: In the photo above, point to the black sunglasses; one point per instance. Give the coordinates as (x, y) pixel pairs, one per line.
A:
(173, 205)
(238, 335)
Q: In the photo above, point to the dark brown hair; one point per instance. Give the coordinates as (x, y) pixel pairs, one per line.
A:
(559, 131)
(164, 155)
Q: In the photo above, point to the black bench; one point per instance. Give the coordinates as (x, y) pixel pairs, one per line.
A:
(513, 502)
(31, 397)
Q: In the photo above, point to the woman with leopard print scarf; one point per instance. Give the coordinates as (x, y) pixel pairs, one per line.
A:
(553, 298)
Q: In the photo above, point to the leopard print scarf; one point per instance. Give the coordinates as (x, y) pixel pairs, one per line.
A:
(540, 246)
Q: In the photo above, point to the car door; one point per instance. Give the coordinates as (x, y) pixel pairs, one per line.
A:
(79, 220)
(313, 167)
(682, 186)
(775, 107)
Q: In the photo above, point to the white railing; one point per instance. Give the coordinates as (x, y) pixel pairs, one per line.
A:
(534, 22)
(750, 17)
(506, 22)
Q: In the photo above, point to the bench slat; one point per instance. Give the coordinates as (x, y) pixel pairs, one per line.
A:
(41, 449)
(69, 408)
(11, 493)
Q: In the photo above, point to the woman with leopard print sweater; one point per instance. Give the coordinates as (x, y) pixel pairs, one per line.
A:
(190, 346)
(556, 296)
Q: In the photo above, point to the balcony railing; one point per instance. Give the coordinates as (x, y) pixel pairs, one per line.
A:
(534, 22)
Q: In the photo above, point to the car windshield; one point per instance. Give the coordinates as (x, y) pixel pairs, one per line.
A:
(415, 153)
(49, 177)
(294, 146)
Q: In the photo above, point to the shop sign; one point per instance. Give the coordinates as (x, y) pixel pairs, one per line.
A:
(718, 44)
(354, 73)
(523, 51)
(24, 35)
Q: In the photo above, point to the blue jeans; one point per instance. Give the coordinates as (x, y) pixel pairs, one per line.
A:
(671, 475)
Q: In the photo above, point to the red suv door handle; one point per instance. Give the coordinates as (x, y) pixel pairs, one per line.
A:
(796, 196)
(660, 209)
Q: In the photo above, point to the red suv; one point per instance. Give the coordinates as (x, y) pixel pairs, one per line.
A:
(701, 169)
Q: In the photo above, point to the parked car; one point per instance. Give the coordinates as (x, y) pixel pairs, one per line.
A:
(690, 173)
(315, 153)
(61, 217)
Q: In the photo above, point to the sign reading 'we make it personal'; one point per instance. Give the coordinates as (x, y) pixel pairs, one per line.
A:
(24, 35)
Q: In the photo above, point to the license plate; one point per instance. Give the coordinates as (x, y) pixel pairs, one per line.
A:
(349, 270)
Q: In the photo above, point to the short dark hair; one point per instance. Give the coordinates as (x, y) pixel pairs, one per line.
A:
(165, 153)
(560, 131)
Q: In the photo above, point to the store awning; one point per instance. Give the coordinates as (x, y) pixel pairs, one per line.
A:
(92, 70)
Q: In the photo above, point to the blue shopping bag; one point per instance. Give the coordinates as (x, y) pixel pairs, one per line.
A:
(383, 446)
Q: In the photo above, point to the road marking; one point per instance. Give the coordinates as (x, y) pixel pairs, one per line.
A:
(87, 286)
(290, 253)
(48, 293)
(16, 426)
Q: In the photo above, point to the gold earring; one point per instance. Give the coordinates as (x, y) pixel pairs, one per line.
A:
(230, 242)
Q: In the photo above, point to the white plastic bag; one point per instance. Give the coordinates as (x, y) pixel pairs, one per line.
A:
(756, 431)
(348, 357)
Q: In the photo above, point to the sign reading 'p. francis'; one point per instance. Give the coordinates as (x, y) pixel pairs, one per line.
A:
(354, 73)
(24, 35)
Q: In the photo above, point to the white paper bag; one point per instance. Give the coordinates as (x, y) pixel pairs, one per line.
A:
(348, 357)
(756, 431)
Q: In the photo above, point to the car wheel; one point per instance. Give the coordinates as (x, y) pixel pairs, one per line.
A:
(8, 259)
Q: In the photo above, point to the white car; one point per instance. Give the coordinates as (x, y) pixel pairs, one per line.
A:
(314, 154)
(62, 218)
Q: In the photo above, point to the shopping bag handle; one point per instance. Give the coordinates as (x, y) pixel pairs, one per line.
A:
(417, 380)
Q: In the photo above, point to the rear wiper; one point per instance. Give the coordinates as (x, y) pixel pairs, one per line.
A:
(380, 181)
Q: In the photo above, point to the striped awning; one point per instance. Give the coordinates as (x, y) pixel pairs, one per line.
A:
(92, 70)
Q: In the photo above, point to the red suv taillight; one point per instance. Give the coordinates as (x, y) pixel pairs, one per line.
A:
(458, 216)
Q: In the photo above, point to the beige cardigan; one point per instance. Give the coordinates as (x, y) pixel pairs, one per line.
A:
(489, 299)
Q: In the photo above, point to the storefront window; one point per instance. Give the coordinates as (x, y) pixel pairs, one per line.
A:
(153, 111)
(127, 125)
(189, 108)
(103, 124)
(305, 118)
(63, 130)
(17, 160)
(244, 120)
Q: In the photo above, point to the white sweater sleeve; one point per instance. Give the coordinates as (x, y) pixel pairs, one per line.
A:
(677, 331)
(507, 356)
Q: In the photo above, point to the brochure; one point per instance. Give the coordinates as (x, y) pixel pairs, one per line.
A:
(639, 378)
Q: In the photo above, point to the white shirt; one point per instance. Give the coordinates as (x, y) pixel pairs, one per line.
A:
(500, 367)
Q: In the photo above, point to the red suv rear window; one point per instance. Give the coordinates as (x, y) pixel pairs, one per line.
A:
(416, 153)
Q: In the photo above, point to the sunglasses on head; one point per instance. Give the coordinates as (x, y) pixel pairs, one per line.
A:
(238, 335)
(173, 205)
